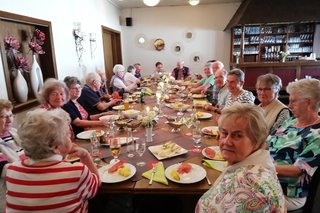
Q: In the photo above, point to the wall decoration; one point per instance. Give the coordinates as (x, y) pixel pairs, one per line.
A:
(79, 40)
(93, 44)
(159, 44)
(177, 48)
(196, 58)
(189, 35)
(141, 40)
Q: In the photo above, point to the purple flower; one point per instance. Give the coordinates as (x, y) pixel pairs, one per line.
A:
(11, 43)
(35, 47)
(22, 63)
(37, 41)
(40, 35)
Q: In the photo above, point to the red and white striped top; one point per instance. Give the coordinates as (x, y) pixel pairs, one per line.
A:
(58, 187)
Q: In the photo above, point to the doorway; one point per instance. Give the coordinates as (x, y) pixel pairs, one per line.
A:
(111, 50)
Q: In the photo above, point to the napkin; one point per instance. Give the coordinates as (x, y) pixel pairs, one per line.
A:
(217, 165)
(159, 176)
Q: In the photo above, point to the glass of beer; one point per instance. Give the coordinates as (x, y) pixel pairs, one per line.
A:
(115, 148)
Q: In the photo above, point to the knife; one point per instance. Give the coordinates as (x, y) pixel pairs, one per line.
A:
(154, 169)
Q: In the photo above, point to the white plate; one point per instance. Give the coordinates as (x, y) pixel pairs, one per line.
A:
(115, 177)
(204, 115)
(71, 158)
(196, 174)
(119, 107)
(155, 150)
(210, 129)
(109, 117)
(123, 141)
(217, 156)
(198, 96)
(87, 134)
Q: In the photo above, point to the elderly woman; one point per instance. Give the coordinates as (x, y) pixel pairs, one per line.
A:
(117, 81)
(249, 183)
(54, 94)
(235, 81)
(44, 181)
(80, 118)
(10, 145)
(268, 87)
(129, 77)
(295, 145)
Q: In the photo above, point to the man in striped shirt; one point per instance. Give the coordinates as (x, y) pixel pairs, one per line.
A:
(44, 182)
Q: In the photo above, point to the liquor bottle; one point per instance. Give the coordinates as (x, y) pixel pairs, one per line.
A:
(142, 96)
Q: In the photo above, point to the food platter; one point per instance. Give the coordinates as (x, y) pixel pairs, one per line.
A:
(196, 174)
(210, 130)
(115, 177)
(167, 150)
(213, 153)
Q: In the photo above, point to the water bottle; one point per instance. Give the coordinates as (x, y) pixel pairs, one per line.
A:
(142, 96)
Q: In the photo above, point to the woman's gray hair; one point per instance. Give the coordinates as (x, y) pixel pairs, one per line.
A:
(42, 130)
(272, 79)
(306, 88)
(92, 76)
(131, 68)
(118, 68)
(256, 128)
(238, 73)
(49, 85)
(71, 80)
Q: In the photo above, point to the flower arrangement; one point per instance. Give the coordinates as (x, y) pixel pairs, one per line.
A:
(37, 41)
(11, 43)
(22, 63)
(148, 119)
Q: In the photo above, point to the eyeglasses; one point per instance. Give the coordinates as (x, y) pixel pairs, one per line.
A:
(264, 89)
(6, 116)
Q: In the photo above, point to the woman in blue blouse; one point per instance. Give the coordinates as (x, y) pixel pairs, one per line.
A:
(295, 145)
(79, 116)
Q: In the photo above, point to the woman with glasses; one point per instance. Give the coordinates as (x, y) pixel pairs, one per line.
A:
(80, 118)
(10, 145)
(295, 144)
(268, 87)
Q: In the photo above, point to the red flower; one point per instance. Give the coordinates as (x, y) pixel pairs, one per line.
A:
(11, 43)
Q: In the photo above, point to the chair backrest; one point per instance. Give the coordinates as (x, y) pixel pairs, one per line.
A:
(313, 199)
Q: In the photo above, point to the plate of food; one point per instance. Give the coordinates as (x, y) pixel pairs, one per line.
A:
(123, 140)
(178, 106)
(185, 173)
(167, 150)
(203, 115)
(85, 135)
(210, 130)
(196, 96)
(109, 118)
(71, 157)
(200, 103)
(212, 152)
(118, 107)
(117, 172)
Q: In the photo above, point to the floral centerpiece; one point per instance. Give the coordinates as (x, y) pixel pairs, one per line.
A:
(148, 119)
(37, 41)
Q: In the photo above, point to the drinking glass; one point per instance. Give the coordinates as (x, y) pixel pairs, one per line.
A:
(95, 144)
(130, 144)
(140, 149)
(115, 148)
(196, 136)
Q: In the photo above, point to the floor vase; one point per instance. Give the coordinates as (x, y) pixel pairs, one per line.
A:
(20, 88)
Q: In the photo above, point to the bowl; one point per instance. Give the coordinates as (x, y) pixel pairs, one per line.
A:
(175, 125)
(131, 113)
(121, 123)
(170, 118)
(133, 124)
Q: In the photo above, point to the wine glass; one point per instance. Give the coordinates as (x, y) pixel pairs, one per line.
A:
(196, 136)
(140, 149)
(115, 148)
(130, 144)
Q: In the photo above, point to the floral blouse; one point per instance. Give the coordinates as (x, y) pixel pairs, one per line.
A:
(250, 187)
(299, 147)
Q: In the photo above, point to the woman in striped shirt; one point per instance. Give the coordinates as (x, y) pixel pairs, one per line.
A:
(44, 182)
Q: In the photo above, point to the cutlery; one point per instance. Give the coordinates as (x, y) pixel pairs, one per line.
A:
(209, 182)
(154, 170)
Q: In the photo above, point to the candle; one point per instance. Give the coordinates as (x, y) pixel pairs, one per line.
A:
(147, 109)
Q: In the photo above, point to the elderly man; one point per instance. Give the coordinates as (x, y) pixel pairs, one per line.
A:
(138, 70)
(219, 92)
(90, 98)
(180, 72)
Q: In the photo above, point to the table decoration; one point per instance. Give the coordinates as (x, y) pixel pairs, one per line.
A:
(159, 175)
(148, 119)
(217, 165)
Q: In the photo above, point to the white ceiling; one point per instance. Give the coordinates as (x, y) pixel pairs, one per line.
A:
(165, 3)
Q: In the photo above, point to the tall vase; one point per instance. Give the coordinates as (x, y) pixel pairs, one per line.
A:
(36, 76)
(149, 138)
(20, 88)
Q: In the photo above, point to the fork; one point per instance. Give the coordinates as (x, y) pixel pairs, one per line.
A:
(154, 170)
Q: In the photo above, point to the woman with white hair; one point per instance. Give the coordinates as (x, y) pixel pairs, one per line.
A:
(296, 143)
(44, 181)
(268, 87)
(117, 81)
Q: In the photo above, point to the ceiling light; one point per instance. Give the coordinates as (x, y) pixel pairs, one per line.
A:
(151, 3)
(194, 2)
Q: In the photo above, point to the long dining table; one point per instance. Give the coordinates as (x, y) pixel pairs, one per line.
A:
(138, 185)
